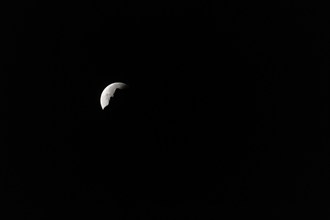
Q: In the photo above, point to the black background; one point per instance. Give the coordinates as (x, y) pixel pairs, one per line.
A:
(226, 114)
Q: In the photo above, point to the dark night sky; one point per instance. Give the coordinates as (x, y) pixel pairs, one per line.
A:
(226, 112)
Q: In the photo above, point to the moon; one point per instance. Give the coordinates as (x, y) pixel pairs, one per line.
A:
(109, 92)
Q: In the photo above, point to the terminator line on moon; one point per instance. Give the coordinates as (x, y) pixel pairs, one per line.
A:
(109, 92)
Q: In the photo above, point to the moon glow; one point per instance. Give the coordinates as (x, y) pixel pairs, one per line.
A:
(109, 92)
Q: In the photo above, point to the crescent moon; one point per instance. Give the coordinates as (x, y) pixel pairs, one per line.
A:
(109, 92)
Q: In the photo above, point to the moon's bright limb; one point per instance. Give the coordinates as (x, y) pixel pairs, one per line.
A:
(109, 92)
